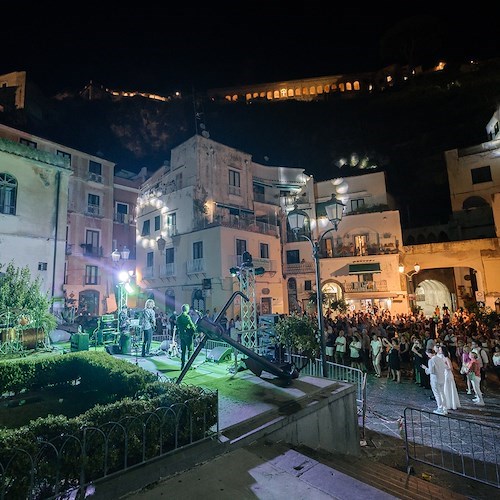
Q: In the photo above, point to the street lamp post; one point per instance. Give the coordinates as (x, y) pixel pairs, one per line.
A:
(296, 219)
(123, 276)
(409, 276)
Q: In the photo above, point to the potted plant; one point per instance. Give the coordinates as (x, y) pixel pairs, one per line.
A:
(23, 305)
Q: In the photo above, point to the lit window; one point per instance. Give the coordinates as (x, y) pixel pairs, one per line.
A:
(91, 275)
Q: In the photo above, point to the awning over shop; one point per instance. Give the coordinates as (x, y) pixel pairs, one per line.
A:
(364, 268)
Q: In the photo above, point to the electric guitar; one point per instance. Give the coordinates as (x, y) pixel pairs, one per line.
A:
(173, 350)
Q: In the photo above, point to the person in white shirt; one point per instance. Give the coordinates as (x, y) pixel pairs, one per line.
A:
(340, 348)
(436, 370)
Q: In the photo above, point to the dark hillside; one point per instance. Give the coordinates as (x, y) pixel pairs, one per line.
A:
(404, 130)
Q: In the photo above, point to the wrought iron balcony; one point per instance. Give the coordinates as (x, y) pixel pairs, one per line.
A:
(366, 286)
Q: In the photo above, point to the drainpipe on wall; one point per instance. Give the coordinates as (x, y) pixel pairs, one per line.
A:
(58, 196)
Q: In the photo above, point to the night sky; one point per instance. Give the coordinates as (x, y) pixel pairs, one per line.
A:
(64, 46)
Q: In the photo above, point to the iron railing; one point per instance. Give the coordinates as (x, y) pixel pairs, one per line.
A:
(69, 465)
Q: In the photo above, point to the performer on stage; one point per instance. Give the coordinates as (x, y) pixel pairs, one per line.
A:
(186, 330)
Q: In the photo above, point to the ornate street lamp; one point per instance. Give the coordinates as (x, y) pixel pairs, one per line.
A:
(296, 220)
(410, 285)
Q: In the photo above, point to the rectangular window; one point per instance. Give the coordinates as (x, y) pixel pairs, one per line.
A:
(357, 204)
(121, 213)
(92, 242)
(149, 259)
(259, 193)
(292, 257)
(241, 246)
(93, 204)
(42, 266)
(64, 155)
(172, 224)
(169, 255)
(27, 142)
(146, 228)
(91, 275)
(95, 171)
(234, 182)
(95, 168)
(264, 251)
(198, 250)
(308, 285)
(157, 222)
(481, 174)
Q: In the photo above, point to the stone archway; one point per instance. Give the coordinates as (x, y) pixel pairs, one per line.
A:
(431, 293)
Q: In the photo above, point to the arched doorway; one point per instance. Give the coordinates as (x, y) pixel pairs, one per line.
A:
(331, 291)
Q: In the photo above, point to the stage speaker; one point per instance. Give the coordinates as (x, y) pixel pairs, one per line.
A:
(219, 354)
(113, 349)
(80, 342)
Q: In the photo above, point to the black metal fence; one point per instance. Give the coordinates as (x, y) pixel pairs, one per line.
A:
(69, 465)
(464, 447)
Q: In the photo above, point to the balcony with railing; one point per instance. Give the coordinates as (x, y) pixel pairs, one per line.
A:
(299, 268)
(148, 272)
(366, 286)
(234, 190)
(195, 266)
(238, 222)
(91, 251)
(352, 244)
(123, 218)
(167, 270)
(93, 210)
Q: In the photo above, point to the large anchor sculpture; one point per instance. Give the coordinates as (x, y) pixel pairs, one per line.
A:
(213, 330)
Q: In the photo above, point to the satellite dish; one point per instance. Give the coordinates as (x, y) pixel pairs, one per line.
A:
(205, 134)
(266, 158)
(202, 126)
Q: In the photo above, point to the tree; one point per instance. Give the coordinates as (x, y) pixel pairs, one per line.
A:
(22, 299)
(299, 335)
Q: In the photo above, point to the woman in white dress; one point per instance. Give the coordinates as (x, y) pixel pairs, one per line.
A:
(452, 401)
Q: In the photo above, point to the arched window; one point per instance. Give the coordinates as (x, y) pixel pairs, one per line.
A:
(474, 202)
(8, 194)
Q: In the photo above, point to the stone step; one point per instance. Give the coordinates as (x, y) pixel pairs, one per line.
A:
(386, 478)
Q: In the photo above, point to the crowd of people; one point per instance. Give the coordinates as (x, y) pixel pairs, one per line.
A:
(431, 352)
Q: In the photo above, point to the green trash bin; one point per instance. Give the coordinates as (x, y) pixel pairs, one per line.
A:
(125, 346)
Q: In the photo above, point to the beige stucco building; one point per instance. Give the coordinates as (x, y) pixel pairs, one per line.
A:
(33, 208)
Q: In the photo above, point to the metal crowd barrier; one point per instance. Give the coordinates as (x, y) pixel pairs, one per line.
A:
(464, 447)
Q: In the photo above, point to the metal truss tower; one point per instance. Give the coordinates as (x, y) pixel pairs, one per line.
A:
(248, 307)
